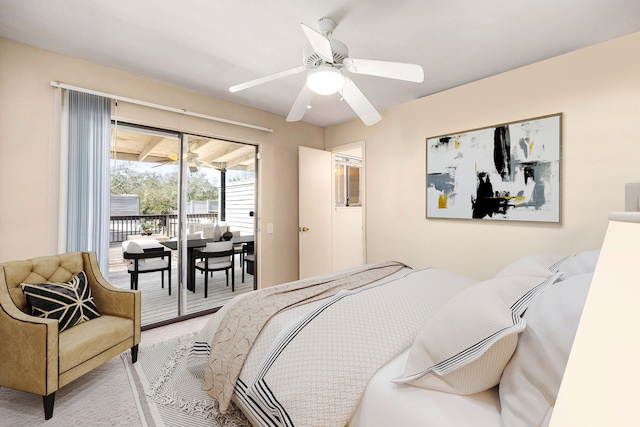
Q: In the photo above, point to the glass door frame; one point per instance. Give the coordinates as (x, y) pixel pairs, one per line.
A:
(182, 164)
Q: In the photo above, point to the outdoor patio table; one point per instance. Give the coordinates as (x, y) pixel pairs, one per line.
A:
(191, 261)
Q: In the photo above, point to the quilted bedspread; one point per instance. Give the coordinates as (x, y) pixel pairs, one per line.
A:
(243, 321)
(315, 367)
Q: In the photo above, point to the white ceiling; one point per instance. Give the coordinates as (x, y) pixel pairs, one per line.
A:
(208, 46)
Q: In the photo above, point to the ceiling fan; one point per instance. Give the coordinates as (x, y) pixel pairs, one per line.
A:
(193, 161)
(326, 59)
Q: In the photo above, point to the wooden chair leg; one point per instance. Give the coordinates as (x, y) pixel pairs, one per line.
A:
(48, 402)
(169, 276)
(134, 353)
(206, 278)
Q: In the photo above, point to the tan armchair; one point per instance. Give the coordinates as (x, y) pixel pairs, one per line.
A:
(34, 356)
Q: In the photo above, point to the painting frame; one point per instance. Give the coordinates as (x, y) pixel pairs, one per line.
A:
(504, 172)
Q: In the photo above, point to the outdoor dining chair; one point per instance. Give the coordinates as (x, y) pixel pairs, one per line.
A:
(147, 261)
(216, 256)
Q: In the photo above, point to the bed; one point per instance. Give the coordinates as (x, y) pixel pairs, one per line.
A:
(384, 344)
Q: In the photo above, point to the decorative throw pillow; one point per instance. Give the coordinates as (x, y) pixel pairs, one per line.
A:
(71, 303)
(531, 380)
(464, 347)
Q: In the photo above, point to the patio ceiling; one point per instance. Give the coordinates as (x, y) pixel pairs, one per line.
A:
(154, 147)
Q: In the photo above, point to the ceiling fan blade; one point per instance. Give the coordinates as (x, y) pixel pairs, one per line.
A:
(268, 78)
(360, 104)
(211, 165)
(391, 70)
(301, 104)
(166, 162)
(320, 43)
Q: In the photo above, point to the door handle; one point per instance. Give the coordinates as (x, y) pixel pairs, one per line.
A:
(303, 229)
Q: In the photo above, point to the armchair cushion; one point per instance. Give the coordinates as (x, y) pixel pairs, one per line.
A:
(71, 302)
(79, 344)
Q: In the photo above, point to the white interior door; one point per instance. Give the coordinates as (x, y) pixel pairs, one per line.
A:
(348, 221)
(314, 214)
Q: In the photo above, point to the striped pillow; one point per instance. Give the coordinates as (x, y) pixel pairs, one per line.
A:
(71, 302)
(464, 347)
(534, 265)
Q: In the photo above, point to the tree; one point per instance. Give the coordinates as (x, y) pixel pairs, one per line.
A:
(125, 179)
(159, 191)
(200, 188)
(239, 175)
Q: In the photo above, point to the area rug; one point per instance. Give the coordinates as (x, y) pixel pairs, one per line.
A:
(100, 398)
(168, 393)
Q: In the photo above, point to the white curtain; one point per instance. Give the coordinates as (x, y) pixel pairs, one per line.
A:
(88, 179)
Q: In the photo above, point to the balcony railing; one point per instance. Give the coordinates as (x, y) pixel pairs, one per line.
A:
(122, 226)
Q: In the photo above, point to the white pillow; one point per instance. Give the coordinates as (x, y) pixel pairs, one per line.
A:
(582, 263)
(135, 248)
(464, 347)
(534, 265)
(531, 380)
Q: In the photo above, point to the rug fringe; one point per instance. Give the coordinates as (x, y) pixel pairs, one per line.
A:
(159, 394)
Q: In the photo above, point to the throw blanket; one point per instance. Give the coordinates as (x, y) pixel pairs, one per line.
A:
(244, 320)
(317, 368)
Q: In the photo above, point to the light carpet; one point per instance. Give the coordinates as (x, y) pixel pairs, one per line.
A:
(168, 393)
(104, 396)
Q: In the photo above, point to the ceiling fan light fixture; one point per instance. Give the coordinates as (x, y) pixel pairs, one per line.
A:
(325, 80)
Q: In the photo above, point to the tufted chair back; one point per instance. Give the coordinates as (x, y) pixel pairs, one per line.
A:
(59, 268)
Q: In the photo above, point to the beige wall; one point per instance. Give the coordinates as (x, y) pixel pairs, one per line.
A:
(598, 91)
(28, 212)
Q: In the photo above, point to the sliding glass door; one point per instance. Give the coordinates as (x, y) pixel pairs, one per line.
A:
(220, 206)
(173, 192)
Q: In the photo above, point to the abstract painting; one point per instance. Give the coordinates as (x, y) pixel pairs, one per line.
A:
(509, 172)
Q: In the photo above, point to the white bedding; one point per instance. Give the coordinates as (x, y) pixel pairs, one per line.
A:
(386, 404)
(315, 372)
(390, 332)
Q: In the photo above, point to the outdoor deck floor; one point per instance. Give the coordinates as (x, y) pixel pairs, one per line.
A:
(158, 305)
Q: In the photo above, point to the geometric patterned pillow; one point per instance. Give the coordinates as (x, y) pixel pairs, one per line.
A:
(71, 303)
